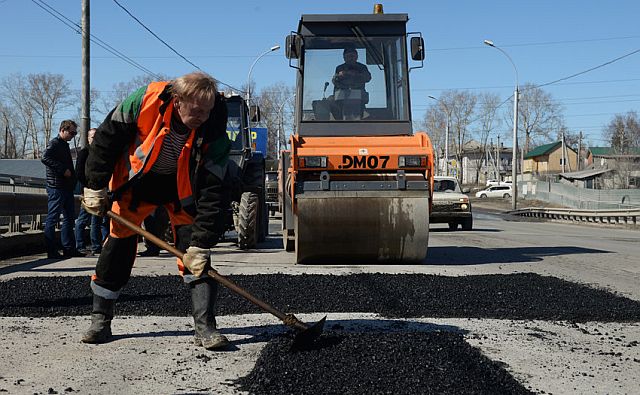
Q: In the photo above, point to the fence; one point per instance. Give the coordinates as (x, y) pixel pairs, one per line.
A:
(18, 184)
(580, 198)
(24, 210)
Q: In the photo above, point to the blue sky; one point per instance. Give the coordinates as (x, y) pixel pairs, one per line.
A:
(547, 40)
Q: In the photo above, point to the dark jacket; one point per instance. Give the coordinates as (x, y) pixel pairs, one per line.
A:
(81, 161)
(208, 158)
(57, 160)
(355, 76)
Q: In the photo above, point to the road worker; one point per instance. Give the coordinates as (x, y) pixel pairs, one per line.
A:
(164, 145)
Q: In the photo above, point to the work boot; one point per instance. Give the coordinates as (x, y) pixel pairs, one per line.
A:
(203, 299)
(101, 315)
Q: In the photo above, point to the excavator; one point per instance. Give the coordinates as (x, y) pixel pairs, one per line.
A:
(357, 181)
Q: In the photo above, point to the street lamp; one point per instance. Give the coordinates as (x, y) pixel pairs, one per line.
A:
(514, 160)
(274, 48)
(446, 135)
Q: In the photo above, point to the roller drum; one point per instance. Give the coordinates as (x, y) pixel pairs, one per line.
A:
(346, 227)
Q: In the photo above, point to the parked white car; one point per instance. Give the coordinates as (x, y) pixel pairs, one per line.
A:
(497, 182)
(499, 191)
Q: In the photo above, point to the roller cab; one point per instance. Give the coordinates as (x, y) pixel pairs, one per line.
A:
(356, 183)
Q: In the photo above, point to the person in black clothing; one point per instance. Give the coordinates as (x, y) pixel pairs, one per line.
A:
(61, 180)
(99, 226)
(348, 81)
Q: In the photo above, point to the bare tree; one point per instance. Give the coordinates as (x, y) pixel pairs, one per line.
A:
(95, 111)
(462, 106)
(623, 132)
(8, 147)
(276, 107)
(538, 115)
(435, 124)
(48, 93)
(123, 89)
(16, 96)
(570, 138)
(487, 123)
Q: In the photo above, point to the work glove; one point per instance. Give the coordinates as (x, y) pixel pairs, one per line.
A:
(196, 260)
(95, 201)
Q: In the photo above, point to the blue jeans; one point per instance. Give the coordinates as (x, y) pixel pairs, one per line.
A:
(60, 201)
(97, 233)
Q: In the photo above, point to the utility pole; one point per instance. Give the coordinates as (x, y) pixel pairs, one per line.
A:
(487, 156)
(580, 152)
(498, 160)
(86, 97)
(564, 158)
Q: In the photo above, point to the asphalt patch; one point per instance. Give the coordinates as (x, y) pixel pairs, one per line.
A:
(379, 363)
(512, 296)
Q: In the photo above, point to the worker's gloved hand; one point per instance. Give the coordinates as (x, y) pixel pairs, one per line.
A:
(96, 202)
(196, 260)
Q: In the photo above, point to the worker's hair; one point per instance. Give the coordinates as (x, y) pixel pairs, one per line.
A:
(67, 124)
(196, 85)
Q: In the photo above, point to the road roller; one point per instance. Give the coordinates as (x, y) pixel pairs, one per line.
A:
(356, 181)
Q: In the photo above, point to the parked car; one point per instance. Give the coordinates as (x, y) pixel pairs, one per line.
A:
(497, 182)
(450, 204)
(503, 191)
(271, 183)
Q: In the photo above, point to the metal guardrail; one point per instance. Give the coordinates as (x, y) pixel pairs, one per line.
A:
(627, 217)
(25, 209)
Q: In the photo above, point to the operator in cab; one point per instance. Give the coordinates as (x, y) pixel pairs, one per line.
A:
(348, 81)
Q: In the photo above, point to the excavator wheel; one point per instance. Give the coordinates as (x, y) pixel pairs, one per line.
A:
(247, 224)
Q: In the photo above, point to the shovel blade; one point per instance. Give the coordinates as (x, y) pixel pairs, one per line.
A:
(305, 338)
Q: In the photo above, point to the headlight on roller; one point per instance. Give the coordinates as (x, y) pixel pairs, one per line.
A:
(412, 161)
(313, 161)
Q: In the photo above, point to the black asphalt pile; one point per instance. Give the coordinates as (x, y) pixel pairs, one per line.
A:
(379, 363)
(513, 296)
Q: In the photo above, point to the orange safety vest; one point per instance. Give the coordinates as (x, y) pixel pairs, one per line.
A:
(153, 126)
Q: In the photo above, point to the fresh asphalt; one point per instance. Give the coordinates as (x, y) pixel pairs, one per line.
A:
(456, 324)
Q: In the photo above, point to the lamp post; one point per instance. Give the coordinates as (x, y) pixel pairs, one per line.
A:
(514, 160)
(274, 48)
(446, 135)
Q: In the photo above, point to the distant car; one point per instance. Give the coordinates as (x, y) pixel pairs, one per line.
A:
(499, 191)
(497, 182)
(450, 204)
(271, 183)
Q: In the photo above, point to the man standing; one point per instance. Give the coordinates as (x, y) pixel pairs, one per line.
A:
(61, 180)
(84, 217)
(164, 145)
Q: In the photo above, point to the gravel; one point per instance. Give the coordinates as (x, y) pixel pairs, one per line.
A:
(379, 363)
(512, 296)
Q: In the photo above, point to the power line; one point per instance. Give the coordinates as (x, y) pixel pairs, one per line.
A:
(539, 43)
(76, 28)
(155, 35)
(167, 45)
(591, 69)
(511, 86)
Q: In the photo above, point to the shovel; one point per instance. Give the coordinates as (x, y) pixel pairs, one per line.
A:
(305, 334)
